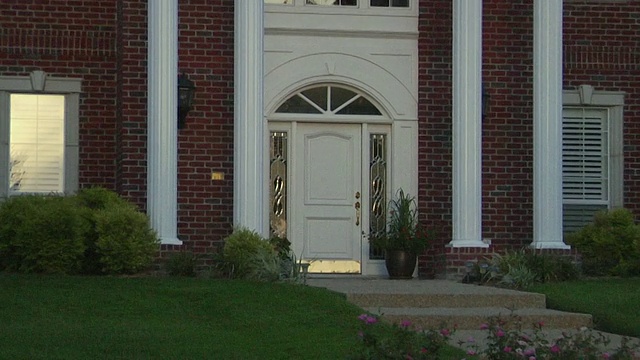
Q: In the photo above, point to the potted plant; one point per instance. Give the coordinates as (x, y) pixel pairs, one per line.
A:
(404, 239)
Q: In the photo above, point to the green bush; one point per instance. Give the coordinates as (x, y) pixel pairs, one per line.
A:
(91, 200)
(98, 198)
(41, 234)
(610, 245)
(94, 232)
(523, 268)
(126, 243)
(248, 255)
(182, 263)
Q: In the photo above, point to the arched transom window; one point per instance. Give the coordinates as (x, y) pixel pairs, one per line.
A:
(328, 100)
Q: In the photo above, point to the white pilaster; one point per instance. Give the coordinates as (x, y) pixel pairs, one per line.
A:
(547, 125)
(250, 128)
(467, 124)
(162, 143)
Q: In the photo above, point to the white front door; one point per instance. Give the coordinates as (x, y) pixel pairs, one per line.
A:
(327, 214)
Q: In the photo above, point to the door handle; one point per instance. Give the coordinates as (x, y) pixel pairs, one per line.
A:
(357, 213)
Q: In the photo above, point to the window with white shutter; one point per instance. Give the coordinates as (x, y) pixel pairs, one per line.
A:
(592, 154)
(585, 164)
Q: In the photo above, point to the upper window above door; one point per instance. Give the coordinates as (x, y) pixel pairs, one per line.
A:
(328, 100)
(383, 19)
(351, 3)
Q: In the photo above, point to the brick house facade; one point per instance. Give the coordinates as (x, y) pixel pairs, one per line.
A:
(104, 43)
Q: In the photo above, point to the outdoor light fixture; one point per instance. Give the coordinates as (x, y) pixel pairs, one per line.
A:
(485, 102)
(186, 90)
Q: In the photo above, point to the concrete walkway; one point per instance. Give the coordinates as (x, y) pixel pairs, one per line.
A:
(429, 303)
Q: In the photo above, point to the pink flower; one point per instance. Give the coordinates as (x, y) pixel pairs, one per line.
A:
(530, 351)
(484, 326)
(555, 348)
(445, 332)
(471, 352)
(470, 339)
(423, 350)
(507, 349)
(540, 323)
(606, 356)
(500, 333)
(368, 319)
(405, 323)
(532, 358)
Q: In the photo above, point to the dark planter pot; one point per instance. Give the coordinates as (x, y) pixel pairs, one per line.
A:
(400, 263)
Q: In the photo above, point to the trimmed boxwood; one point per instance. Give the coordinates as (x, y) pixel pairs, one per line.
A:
(94, 232)
(41, 234)
(610, 245)
(126, 243)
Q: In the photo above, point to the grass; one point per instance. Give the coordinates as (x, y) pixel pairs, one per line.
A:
(57, 317)
(613, 302)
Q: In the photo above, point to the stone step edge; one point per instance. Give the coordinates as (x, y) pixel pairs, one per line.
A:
(473, 318)
(512, 301)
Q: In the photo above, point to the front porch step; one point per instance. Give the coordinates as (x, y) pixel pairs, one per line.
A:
(504, 299)
(432, 303)
(472, 318)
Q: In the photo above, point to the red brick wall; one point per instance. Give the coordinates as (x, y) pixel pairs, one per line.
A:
(105, 44)
(131, 162)
(205, 144)
(434, 112)
(508, 128)
(70, 39)
(601, 48)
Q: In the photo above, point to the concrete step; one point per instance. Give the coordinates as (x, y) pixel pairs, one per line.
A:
(431, 303)
(473, 317)
(511, 300)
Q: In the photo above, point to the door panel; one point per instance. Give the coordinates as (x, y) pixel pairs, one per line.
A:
(327, 230)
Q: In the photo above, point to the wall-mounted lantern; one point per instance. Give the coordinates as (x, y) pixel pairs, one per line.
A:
(186, 90)
(485, 101)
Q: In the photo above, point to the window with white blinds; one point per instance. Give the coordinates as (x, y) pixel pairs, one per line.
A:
(585, 164)
(36, 139)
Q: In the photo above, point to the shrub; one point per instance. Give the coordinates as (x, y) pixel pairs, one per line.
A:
(291, 269)
(91, 200)
(248, 255)
(182, 263)
(513, 343)
(42, 234)
(98, 198)
(522, 268)
(92, 233)
(610, 245)
(398, 341)
(126, 243)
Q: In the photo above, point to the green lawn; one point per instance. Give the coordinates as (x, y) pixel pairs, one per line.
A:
(613, 302)
(57, 317)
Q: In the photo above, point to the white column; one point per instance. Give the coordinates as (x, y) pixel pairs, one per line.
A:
(162, 143)
(547, 125)
(467, 124)
(250, 127)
